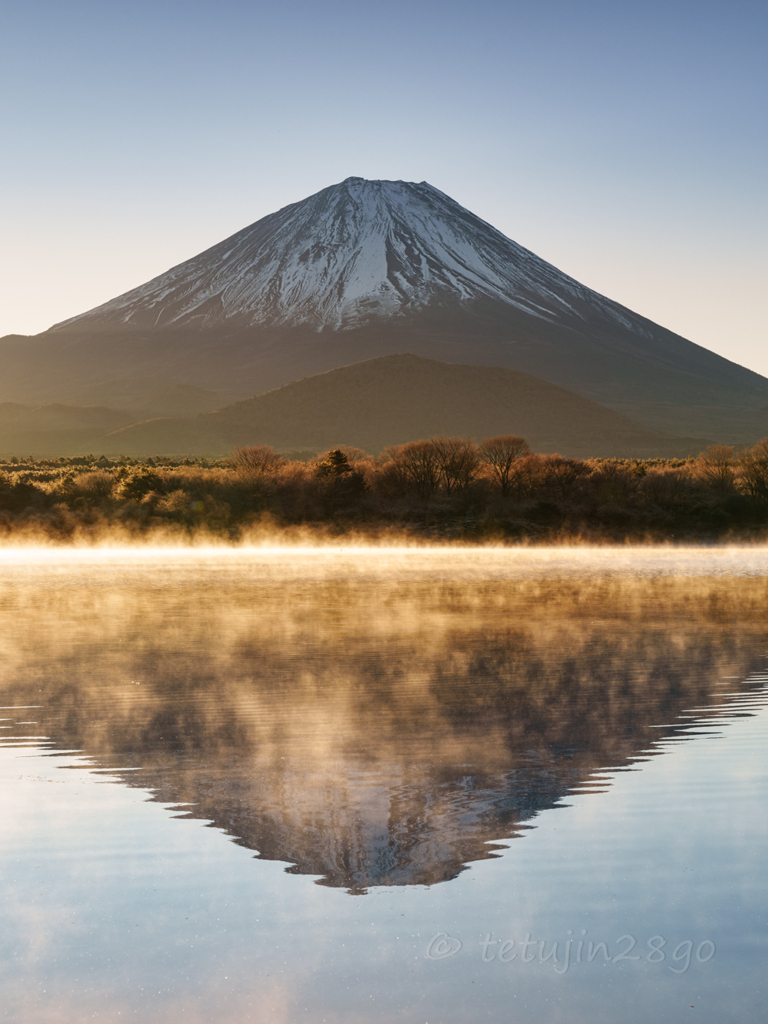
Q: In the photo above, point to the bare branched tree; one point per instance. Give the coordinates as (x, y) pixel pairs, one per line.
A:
(258, 460)
(501, 454)
(560, 475)
(753, 464)
(716, 466)
(417, 464)
(458, 460)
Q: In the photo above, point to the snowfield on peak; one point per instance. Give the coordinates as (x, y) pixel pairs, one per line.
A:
(350, 254)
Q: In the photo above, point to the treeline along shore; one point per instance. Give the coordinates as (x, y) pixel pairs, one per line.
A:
(440, 489)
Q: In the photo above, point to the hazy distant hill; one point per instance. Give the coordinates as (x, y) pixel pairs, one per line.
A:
(54, 429)
(369, 268)
(144, 397)
(58, 429)
(400, 398)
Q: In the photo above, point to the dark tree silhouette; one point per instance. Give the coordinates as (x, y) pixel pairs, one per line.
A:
(417, 464)
(501, 454)
(716, 466)
(754, 469)
(458, 461)
(334, 465)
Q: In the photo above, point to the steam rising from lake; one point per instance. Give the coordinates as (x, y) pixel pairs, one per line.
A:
(373, 716)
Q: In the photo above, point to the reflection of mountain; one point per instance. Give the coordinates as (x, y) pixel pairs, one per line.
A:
(389, 750)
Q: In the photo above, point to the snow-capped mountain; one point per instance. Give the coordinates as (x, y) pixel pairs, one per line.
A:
(365, 269)
(350, 254)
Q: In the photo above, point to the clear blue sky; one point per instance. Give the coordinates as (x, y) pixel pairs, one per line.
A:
(625, 142)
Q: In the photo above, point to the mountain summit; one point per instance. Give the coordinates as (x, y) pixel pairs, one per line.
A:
(352, 253)
(365, 269)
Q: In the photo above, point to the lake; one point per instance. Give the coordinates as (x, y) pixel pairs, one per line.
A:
(347, 785)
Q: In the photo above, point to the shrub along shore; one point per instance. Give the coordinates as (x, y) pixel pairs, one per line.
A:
(443, 489)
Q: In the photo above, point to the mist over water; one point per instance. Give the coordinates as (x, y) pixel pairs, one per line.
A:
(374, 744)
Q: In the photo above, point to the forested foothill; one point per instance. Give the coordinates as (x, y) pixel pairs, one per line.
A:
(441, 489)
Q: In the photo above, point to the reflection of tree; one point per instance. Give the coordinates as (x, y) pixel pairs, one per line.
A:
(375, 732)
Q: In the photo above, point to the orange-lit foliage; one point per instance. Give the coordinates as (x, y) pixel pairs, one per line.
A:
(441, 488)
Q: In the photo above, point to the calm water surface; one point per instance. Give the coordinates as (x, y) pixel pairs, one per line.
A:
(349, 786)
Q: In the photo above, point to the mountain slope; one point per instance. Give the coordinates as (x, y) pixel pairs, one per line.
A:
(401, 398)
(351, 254)
(370, 268)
